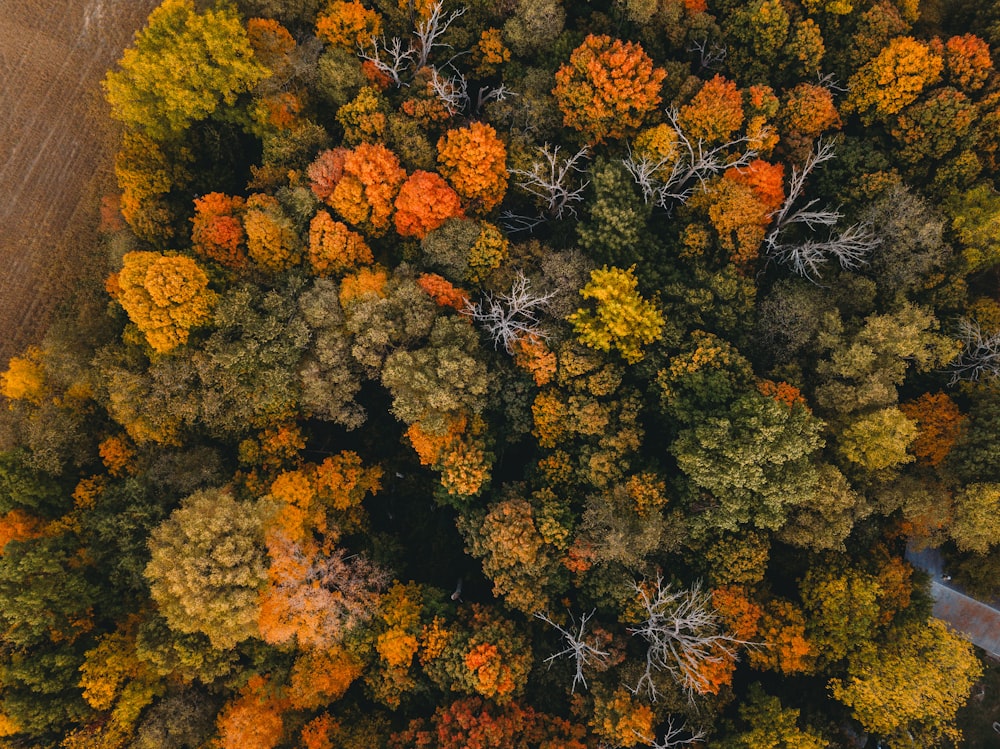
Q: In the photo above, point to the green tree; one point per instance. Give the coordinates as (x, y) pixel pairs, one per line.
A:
(183, 66)
(755, 461)
(842, 610)
(770, 725)
(207, 567)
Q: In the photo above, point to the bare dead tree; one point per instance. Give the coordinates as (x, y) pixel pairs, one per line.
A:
(683, 631)
(389, 57)
(488, 94)
(552, 179)
(431, 29)
(710, 55)
(850, 247)
(453, 92)
(980, 356)
(688, 167)
(508, 317)
(513, 223)
(675, 737)
(577, 649)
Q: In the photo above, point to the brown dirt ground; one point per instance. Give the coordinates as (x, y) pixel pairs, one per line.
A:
(56, 150)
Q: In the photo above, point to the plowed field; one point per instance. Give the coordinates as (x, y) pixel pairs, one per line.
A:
(56, 149)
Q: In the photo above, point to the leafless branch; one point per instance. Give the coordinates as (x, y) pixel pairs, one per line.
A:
(508, 317)
(675, 737)
(980, 355)
(389, 57)
(453, 92)
(851, 247)
(683, 631)
(577, 648)
(513, 223)
(710, 54)
(688, 167)
(431, 29)
(551, 178)
(487, 94)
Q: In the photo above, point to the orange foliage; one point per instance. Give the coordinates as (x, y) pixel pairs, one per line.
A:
(272, 44)
(363, 281)
(738, 217)
(939, 422)
(430, 446)
(894, 79)
(282, 109)
(781, 392)
(348, 24)
(493, 677)
(621, 719)
(218, 233)
(533, 355)
(715, 112)
(87, 490)
(318, 732)
(111, 216)
(396, 647)
(18, 525)
(607, 88)
(647, 491)
(333, 248)
(548, 412)
(342, 481)
(715, 671)
(739, 613)
(320, 677)
(809, 110)
(252, 720)
(325, 172)
(424, 203)
(364, 194)
(764, 179)
(274, 446)
(25, 377)
(580, 556)
(442, 291)
(473, 159)
(117, 454)
(489, 53)
(967, 61)
(783, 630)
(165, 296)
(465, 469)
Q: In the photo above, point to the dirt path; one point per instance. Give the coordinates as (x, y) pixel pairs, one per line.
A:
(56, 149)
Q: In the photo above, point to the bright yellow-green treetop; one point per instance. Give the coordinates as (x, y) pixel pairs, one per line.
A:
(621, 319)
(183, 64)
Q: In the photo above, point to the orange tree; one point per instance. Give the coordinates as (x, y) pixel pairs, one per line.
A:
(607, 88)
(474, 160)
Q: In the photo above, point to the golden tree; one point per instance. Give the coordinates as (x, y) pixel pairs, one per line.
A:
(473, 159)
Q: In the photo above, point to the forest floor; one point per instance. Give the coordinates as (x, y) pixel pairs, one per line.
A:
(57, 148)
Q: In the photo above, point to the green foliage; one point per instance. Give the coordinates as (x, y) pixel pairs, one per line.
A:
(770, 725)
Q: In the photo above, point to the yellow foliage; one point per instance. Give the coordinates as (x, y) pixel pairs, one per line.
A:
(363, 118)
(165, 296)
(621, 719)
(25, 377)
(364, 281)
(396, 647)
(894, 79)
(489, 53)
(488, 252)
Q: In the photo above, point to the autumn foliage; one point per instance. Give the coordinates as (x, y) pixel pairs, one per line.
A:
(473, 159)
(895, 78)
(607, 88)
(364, 193)
(218, 231)
(333, 248)
(939, 422)
(165, 296)
(424, 203)
(253, 720)
(348, 24)
(715, 112)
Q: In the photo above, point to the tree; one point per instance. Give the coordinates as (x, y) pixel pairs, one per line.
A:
(770, 725)
(975, 214)
(683, 633)
(316, 593)
(253, 720)
(200, 584)
(879, 439)
(473, 159)
(607, 88)
(333, 248)
(715, 112)
(218, 232)
(755, 460)
(348, 24)
(577, 648)
(165, 296)
(621, 719)
(424, 203)
(621, 318)
(911, 685)
(894, 79)
(183, 66)
(368, 183)
(510, 318)
(967, 62)
(842, 608)
(976, 524)
(272, 241)
(939, 422)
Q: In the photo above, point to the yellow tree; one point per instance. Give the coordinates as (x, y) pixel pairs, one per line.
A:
(894, 79)
(165, 296)
(183, 66)
(621, 318)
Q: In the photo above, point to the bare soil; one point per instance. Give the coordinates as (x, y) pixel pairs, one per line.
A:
(57, 148)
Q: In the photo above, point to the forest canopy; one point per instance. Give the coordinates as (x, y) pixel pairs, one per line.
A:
(520, 374)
